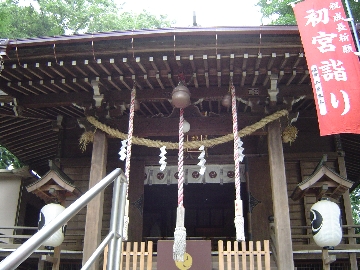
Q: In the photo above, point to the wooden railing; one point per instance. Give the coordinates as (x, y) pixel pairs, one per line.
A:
(12, 239)
(306, 238)
(234, 256)
(132, 257)
(16, 237)
(249, 257)
(308, 244)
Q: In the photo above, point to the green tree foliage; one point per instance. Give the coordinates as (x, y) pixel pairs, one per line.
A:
(7, 159)
(25, 21)
(280, 12)
(355, 198)
(130, 20)
(355, 206)
(58, 17)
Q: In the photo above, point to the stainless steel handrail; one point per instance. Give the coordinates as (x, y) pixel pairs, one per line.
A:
(25, 250)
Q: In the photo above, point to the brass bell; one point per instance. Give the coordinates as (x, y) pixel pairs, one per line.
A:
(181, 96)
(226, 101)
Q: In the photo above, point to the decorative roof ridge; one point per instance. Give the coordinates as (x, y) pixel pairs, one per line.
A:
(329, 169)
(53, 168)
(321, 165)
(314, 180)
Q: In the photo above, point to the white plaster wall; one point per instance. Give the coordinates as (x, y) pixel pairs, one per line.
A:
(9, 197)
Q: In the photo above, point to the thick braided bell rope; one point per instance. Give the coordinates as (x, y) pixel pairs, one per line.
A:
(179, 246)
(239, 218)
(127, 161)
(191, 144)
(130, 135)
(236, 142)
(181, 160)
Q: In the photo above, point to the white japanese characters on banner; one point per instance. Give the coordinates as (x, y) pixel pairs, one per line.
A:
(334, 68)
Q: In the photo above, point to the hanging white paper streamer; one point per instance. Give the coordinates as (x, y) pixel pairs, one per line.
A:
(122, 152)
(162, 161)
(241, 149)
(202, 160)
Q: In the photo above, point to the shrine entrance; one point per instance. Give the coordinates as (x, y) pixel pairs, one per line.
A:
(208, 202)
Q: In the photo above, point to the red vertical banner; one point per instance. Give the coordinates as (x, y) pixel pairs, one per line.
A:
(333, 66)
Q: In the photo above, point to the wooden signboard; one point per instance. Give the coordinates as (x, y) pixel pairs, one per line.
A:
(197, 256)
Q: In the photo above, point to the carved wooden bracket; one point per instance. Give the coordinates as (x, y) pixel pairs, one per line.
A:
(97, 96)
(56, 124)
(274, 90)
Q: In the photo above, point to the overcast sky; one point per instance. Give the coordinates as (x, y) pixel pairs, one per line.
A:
(208, 13)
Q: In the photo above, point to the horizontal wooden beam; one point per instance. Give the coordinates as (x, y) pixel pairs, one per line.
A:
(212, 93)
(54, 100)
(211, 159)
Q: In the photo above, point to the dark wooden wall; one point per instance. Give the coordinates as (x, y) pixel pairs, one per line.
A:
(260, 189)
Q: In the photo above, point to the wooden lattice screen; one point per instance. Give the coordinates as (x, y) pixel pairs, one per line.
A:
(249, 258)
(133, 258)
(238, 257)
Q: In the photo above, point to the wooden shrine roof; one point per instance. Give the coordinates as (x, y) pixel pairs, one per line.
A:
(48, 83)
(324, 181)
(54, 179)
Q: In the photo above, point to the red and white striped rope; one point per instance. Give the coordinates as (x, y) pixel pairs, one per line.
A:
(130, 135)
(236, 143)
(181, 160)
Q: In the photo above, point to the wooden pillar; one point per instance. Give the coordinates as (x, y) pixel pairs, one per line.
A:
(136, 200)
(57, 251)
(57, 254)
(41, 264)
(283, 243)
(327, 259)
(348, 213)
(94, 212)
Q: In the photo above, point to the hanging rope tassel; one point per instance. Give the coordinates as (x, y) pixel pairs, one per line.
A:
(239, 218)
(126, 221)
(179, 247)
(127, 161)
(239, 221)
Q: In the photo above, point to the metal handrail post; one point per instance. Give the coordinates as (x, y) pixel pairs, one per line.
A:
(98, 251)
(117, 223)
(25, 250)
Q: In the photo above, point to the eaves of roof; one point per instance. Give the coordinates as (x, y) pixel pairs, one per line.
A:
(160, 32)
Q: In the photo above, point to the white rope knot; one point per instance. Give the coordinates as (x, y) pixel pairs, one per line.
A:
(239, 226)
(179, 246)
(125, 229)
